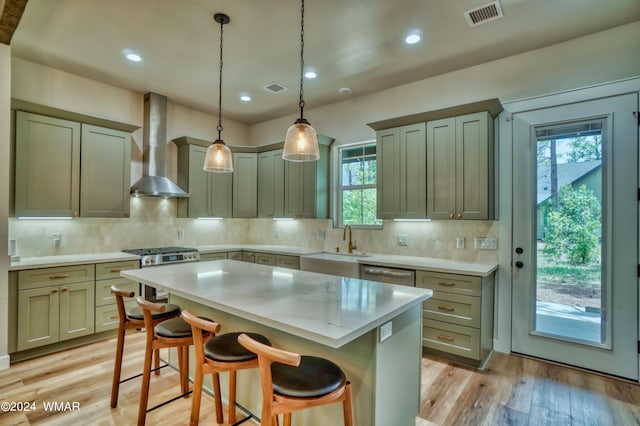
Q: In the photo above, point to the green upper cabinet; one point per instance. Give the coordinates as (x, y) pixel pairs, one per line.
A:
(401, 172)
(245, 184)
(105, 168)
(210, 194)
(460, 167)
(306, 186)
(47, 181)
(271, 184)
(65, 168)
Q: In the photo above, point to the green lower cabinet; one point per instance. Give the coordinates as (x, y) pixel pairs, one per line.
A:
(54, 313)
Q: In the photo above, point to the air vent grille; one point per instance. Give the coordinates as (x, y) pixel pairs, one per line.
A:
(274, 87)
(483, 14)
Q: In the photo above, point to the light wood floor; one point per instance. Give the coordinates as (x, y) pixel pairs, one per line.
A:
(512, 391)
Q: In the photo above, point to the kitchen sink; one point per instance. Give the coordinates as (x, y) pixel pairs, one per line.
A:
(332, 263)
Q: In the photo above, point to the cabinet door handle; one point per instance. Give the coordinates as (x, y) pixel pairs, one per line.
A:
(64, 289)
(445, 338)
(450, 215)
(55, 290)
(446, 284)
(447, 308)
(459, 216)
(58, 277)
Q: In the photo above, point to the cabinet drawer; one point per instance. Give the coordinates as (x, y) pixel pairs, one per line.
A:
(265, 259)
(291, 262)
(234, 255)
(107, 316)
(451, 338)
(453, 308)
(248, 256)
(103, 289)
(35, 278)
(112, 269)
(213, 256)
(450, 283)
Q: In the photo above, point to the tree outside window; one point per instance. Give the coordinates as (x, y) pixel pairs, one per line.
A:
(357, 187)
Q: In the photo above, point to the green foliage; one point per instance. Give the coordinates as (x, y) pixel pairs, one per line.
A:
(585, 148)
(573, 230)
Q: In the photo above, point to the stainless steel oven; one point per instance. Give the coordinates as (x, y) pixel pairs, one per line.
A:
(150, 257)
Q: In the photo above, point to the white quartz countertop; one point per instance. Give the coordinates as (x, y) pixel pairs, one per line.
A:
(68, 260)
(262, 248)
(326, 309)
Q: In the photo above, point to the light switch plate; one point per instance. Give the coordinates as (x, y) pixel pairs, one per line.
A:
(385, 331)
(403, 239)
(485, 243)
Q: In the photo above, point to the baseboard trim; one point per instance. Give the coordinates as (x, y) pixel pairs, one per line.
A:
(5, 362)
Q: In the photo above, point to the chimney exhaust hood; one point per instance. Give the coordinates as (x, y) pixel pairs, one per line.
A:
(154, 181)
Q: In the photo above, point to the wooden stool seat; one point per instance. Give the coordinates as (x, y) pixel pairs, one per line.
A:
(170, 311)
(291, 382)
(219, 354)
(313, 377)
(225, 348)
(133, 319)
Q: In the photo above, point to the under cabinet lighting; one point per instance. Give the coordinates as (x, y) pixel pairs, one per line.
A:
(45, 217)
(412, 220)
(282, 218)
(210, 218)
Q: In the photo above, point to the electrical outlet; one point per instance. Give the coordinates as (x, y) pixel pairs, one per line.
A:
(386, 330)
(180, 234)
(485, 243)
(403, 239)
(460, 242)
(56, 238)
(321, 235)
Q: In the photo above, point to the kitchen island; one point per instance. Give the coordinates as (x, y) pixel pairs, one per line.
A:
(316, 314)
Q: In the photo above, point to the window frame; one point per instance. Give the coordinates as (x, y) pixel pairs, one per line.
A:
(339, 188)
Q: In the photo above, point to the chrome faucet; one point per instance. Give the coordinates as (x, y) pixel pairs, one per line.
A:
(352, 244)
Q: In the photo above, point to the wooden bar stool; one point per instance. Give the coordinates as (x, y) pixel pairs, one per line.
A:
(133, 319)
(170, 333)
(216, 355)
(291, 382)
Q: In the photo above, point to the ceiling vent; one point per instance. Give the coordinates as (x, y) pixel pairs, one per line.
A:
(274, 87)
(483, 14)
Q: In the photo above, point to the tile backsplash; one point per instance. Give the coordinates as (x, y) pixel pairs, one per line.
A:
(153, 223)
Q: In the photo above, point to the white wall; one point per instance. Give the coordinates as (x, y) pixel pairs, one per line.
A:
(5, 116)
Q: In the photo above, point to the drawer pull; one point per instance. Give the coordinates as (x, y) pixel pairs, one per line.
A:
(117, 270)
(64, 289)
(114, 317)
(58, 277)
(55, 290)
(445, 338)
(447, 308)
(446, 284)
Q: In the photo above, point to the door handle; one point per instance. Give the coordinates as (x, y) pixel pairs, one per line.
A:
(519, 264)
(519, 250)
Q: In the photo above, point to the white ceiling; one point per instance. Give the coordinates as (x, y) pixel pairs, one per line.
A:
(351, 43)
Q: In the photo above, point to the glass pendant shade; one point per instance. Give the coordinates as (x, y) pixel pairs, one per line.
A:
(218, 158)
(301, 142)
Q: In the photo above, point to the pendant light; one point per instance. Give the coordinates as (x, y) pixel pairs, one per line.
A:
(218, 157)
(301, 142)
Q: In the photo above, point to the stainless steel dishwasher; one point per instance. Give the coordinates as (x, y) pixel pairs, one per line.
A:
(388, 275)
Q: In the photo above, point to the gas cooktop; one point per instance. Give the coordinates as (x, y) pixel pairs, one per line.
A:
(159, 250)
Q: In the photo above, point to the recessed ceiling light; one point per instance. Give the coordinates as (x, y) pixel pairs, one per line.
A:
(132, 55)
(413, 38)
(310, 74)
(245, 98)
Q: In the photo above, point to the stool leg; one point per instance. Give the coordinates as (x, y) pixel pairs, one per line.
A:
(184, 368)
(117, 367)
(144, 390)
(287, 419)
(347, 406)
(197, 395)
(217, 397)
(156, 361)
(232, 396)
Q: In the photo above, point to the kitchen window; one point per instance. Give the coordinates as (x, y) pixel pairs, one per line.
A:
(357, 186)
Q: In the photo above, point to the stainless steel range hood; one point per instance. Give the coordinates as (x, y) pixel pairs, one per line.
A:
(154, 181)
